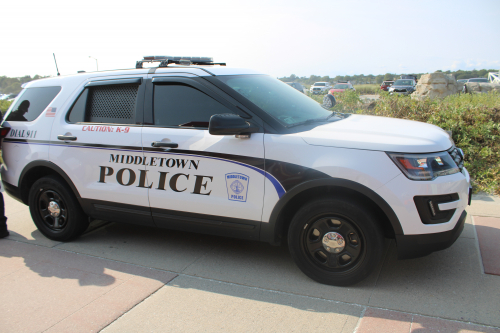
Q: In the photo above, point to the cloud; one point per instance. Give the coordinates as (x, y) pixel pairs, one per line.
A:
(469, 64)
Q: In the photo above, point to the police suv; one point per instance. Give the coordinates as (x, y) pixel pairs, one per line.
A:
(192, 146)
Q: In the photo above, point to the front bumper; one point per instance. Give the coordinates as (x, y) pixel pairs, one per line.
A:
(12, 190)
(414, 246)
(406, 92)
(317, 91)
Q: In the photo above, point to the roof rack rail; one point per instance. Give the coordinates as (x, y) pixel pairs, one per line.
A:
(184, 61)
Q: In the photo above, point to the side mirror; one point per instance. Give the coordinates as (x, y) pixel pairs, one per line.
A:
(230, 124)
(328, 101)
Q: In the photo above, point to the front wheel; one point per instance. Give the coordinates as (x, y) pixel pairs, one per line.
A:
(335, 241)
(55, 209)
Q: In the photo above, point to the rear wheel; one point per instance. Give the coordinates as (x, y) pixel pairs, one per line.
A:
(335, 241)
(55, 209)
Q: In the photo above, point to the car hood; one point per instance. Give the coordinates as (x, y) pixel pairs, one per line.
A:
(379, 133)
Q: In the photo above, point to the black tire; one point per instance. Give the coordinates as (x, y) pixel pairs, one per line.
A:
(363, 245)
(71, 221)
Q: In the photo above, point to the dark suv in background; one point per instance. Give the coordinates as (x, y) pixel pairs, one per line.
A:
(404, 87)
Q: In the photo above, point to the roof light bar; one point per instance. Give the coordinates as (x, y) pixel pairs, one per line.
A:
(184, 61)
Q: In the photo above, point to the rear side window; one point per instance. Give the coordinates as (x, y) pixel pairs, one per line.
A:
(32, 102)
(106, 104)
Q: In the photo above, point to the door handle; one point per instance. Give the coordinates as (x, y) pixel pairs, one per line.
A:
(66, 137)
(160, 144)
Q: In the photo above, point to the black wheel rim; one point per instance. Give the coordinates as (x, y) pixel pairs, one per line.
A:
(55, 222)
(313, 246)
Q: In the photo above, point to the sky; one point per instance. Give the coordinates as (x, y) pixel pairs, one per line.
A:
(275, 37)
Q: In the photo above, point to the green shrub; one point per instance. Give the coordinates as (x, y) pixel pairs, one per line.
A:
(4, 105)
(473, 120)
(347, 101)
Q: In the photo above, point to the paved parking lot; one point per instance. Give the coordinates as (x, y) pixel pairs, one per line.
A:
(120, 278)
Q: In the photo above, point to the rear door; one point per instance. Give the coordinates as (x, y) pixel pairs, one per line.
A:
(198, 181)
(98, 145)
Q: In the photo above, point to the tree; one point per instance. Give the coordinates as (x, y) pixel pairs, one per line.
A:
(388, 77)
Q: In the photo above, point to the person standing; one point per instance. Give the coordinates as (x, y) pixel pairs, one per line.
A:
(3, 220)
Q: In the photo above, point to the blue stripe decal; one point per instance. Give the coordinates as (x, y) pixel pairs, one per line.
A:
(277, 185)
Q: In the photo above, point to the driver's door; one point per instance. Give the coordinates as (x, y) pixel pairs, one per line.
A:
(195, 179)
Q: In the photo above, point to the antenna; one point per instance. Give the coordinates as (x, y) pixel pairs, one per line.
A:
(58, 74)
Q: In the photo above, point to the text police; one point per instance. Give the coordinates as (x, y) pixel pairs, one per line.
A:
(128, 177)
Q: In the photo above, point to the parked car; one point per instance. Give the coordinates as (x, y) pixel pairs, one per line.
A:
(342, 86)
(232, 152)
(404, 87)
(408, 77)
(478, 79)
(386, 85)
(465, 89)
(8, 97)
(297, 86)
(320, 87)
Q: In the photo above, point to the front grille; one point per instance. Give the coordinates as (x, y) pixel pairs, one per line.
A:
(400, 90)
(458, 156)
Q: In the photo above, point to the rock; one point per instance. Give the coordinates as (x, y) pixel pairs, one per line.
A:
(482, 87)
(435, 85)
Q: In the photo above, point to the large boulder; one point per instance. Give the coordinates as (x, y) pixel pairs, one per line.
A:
(481, 87)
(436, 85)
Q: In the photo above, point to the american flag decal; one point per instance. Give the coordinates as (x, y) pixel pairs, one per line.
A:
(51, 112)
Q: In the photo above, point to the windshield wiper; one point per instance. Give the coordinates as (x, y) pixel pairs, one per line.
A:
(313, 120)
(308, 121)
(338, 114)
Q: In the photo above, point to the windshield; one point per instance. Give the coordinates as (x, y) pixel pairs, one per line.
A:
(341, 86)
(478, 80)
(286, 104)
(318, 84)
(403, 83)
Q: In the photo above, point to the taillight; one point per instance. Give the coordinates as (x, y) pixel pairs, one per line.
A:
(4, 131)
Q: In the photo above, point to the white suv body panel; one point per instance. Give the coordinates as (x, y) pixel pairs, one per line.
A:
(75, 159)
(209, 170)
(400, 192)
(380, 133)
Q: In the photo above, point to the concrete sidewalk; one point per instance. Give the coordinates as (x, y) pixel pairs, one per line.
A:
(120, 278)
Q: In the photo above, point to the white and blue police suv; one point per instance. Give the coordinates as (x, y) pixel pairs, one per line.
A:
(192, 146)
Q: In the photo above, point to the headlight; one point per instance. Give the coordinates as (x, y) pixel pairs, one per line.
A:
(425, 166)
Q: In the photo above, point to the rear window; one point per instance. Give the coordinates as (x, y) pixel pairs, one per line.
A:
(478, 80)
(403, 83)
(32, 102)
(110, 104)
(341, 86)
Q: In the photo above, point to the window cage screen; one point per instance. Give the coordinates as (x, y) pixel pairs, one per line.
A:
(112, 104)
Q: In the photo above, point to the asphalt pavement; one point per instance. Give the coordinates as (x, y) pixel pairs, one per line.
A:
(126, 278)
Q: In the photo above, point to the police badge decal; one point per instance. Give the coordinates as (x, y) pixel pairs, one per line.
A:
(237, 186)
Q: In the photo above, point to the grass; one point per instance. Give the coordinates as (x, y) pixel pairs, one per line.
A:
(4, 105)
(367, 89)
